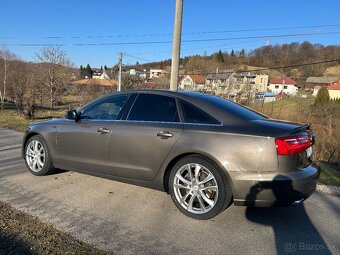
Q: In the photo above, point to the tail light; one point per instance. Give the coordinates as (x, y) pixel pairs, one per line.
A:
(292, 145)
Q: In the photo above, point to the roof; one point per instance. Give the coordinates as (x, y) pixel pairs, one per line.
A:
(196, 78)
(326, 80)
(218, 76)
(283, 80)
(335, 86)
(269, 94)
(98, 82)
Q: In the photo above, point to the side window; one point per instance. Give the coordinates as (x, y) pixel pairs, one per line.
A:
(150, 107)
(107, 109)
(193, 114)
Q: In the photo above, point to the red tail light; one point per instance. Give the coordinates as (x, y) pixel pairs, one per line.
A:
(292, 145)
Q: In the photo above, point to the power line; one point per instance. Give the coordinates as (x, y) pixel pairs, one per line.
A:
(170, 41)
(170, 34)
(276, 67)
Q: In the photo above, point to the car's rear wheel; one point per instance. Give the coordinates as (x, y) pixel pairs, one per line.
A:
(37, 156)
(199, 188)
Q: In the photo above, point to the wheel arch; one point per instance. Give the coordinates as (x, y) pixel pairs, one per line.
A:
(173, 161)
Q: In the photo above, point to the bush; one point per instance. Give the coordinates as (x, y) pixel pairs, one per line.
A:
(322, 97)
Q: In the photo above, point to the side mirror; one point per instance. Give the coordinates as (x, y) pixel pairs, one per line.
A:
(72, 115)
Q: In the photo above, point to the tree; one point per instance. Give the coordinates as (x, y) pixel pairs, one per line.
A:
(220, 57)
(232, 53)
(54, 71)
(322, 97)
(88, 71)
(101, 68)
(7, 73)
(105, 68)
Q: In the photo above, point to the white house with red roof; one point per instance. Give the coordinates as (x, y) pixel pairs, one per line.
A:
(192, 82)
(334, 91)
(285, 85)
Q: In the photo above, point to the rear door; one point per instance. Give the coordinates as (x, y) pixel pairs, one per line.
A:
(140, 144)
(84, 144)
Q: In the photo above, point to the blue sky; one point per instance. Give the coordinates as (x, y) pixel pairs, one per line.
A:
(100, 22)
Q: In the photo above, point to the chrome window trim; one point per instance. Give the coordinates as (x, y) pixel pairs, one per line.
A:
(157, 122)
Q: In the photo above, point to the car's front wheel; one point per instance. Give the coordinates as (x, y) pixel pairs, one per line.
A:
(199, 188)
(37, 156)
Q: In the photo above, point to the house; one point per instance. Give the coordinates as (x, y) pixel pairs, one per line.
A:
(334, 91)
(192, 83)
(141, 74)
(283, 85)
(265, 97)
(157, 73)
(312, 82)
(219, 82)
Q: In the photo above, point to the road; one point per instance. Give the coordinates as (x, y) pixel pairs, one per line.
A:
(127, 219)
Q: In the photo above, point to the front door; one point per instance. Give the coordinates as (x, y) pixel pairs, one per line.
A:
(84, 145)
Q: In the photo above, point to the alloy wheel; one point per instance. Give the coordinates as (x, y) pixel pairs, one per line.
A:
(195, 188)
(35, 155)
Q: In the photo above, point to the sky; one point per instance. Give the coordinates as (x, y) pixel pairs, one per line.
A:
(95, 32)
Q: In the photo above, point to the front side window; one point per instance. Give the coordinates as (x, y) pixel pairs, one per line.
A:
(107, 109)
(193, 114)
(148, 107)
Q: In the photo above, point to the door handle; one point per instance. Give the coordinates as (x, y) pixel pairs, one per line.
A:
(165, 134)
(103, 130)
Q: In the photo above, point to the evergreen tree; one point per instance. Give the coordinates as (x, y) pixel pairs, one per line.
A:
(81, 72)
(137, 63)
(220, 57)
(242, 53)
(88, 71)
(105, 68)
(101, 68)
(322, 97)
(232, 53)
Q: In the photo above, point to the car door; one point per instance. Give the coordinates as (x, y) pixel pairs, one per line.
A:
(140, 144)
(83, 145)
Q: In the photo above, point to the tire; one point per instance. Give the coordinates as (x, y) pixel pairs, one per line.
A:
(206, 195)
(38, 160)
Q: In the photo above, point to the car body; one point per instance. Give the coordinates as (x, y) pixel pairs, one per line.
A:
(143, 135)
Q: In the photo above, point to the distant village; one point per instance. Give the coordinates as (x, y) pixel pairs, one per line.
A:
(240, 87)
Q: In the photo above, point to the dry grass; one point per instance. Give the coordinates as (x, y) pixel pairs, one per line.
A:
(333, 71)
(10, 118)
(21, 233)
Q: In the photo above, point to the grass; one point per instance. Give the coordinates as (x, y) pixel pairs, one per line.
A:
(10, 118)
(330, 173)
(21, 233)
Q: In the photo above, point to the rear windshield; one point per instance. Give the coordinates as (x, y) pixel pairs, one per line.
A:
(233, 108)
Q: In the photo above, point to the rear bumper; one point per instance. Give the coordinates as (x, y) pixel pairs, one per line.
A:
(265, 189)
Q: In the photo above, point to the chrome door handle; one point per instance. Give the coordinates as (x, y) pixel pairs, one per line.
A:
(165, 134)
(103, 130)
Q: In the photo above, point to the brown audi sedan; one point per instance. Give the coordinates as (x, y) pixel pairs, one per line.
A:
(205, 151)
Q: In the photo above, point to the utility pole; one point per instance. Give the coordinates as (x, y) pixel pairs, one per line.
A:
(176, 46)
(120, 72)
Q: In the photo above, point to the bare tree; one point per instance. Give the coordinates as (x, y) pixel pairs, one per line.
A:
(6, 70)
(54, 71)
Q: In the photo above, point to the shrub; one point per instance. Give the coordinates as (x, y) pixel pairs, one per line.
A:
(322, 97)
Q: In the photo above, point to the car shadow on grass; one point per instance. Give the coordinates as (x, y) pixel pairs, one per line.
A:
(294, 231)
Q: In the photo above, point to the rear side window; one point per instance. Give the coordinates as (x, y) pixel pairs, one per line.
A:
(148, 107)
(193, 114)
